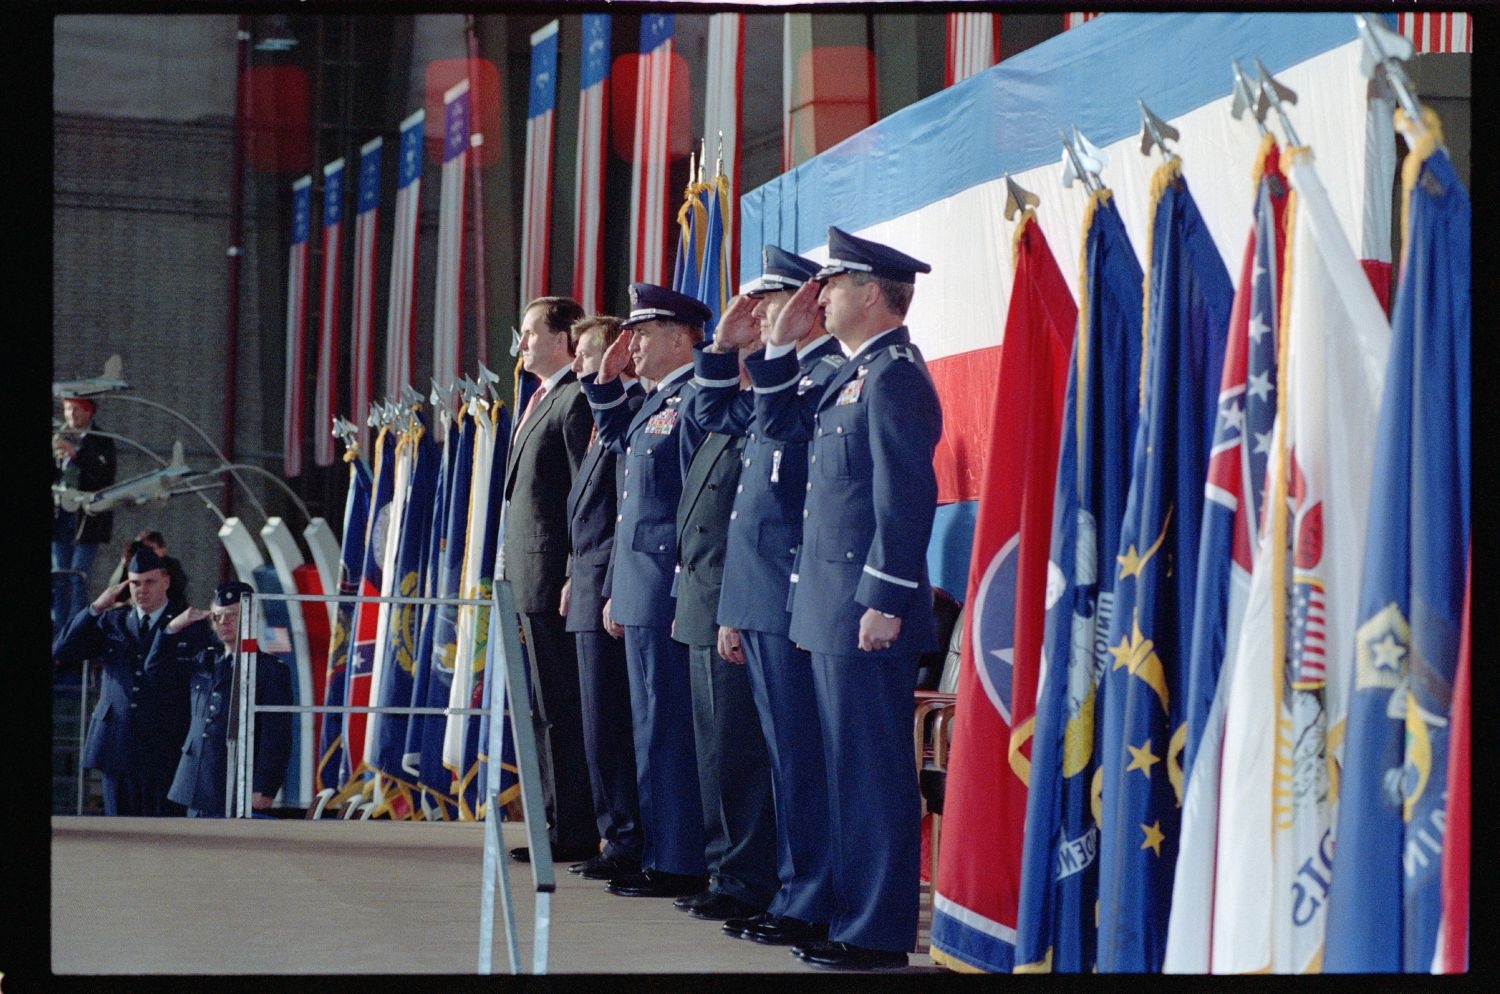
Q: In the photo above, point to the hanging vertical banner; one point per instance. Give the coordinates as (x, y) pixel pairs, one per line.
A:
(362, 354)
(1437, 32)
(325, 395)
(648, 180)
(296, 327)
(447, 316)
(400, 334)
(1074, 18)
(536, 209)
(973, 45)
(588, 187)
(721, 122)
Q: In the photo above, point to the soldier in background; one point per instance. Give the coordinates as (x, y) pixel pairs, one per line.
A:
(83, 460)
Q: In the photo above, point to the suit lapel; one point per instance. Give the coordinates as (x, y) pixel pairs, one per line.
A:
(702, 466)
(538, 415)
(591, 462)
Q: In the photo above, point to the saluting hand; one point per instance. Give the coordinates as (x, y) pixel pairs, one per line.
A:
(737, 327)
(876, 631)
(797, 317)
(616, 357)
(106, 600)
(186, 618)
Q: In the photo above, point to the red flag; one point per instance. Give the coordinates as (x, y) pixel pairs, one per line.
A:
(979, 870)
(1453, 937)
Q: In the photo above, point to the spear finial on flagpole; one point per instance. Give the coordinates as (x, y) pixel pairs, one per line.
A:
(1245, 98)
(1155, 131)
(1018, 199)
(719, 162)
(1274, 94)
(1380, 61)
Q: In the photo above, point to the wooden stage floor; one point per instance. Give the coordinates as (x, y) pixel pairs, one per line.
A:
(188, 896)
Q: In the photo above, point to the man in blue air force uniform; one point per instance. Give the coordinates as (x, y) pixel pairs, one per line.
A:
(765, 529)
(657, 444)
(862, 604)
(135, 735)
(208, 660)
(604, 684)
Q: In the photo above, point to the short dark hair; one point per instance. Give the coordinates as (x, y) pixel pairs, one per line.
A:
(897, 295)
(559, 313)
(152, 538)
(606, 324)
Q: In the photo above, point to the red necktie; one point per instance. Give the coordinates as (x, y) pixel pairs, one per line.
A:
(530, 406)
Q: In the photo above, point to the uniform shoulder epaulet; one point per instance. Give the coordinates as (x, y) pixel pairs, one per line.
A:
(834, 360)
(905, 352)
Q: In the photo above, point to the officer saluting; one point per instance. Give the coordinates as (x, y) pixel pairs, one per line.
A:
(862, 604)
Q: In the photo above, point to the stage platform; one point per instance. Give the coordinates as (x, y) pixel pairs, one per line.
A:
(189, 896)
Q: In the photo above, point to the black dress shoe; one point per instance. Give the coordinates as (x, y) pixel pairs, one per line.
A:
(737, 927)
(843, 956)
(655, 883)
(721, 906)
(785, 931)
(603, 867)
(522, 854)
(688, 902)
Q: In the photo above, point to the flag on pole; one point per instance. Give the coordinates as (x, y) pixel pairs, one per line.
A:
(722, 98)
(977, 891)
(1438, 32)
(362, 358)
(296, 328)
(390, 581)
(692, 219)
(714, 272)
(400, 328)
(427, 732)
(536, 196)
(1228, 541)
(388, 734)
(973, 45)
(1285, 702)
(351, 559)
(447, 317)
(588, 186)
(1187, 305)
(648, 180)
(1384, 903)
(1059, 869)
(1453, 932)
(326, 391)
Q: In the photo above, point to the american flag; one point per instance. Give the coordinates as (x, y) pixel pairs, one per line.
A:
(648, 181)
(362, 355)
(536, 211)
(973, 44)
(1308, 654)
(1073, 18)
(447, 317)
(1434, 32)
(326, 393)
(588, 189)
(721, 116)
(399, 334)
(296, 327)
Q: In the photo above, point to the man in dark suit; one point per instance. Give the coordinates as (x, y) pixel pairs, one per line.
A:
(209, 661)
(550, 438)
(657, 443)
(862, 603)
(764, 532)
(83, 460)
(604, 684)
(733, 768)
(135, 736)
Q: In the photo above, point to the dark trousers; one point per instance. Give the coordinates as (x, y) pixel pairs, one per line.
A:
(734, 780)
(557, 718)
(138, 795)
(865, 705)
(786, 700)
(608, 742)
(666, 765)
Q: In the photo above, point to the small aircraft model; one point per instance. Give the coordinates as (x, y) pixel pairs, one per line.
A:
(157, 485)
(108, 382)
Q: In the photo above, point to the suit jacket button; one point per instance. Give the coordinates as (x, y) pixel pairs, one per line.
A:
(809, 486)
(840, 429)
(627, 470)
(804, 512)
(134, 704)
(624, 494)
(661, 548)
(848, 555)
(619, 517)
(139, 672)
(814, 458)
(627, 450)
(205, 735)
(732, 516)
(747, 460)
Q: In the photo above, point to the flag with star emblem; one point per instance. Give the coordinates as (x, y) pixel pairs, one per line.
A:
(588, 189)
(400, 328)
(1059, 868)
(650, 152)
(335, 684)
(447, 317)
(1284, 703)
(296, 329)
(1384, 904)
(1230, 536)
(536, 187)
(1188, 299)
(977, 890)
(326, 385)
(362, 353)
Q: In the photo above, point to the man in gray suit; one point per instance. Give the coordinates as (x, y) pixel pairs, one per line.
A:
(551, 436)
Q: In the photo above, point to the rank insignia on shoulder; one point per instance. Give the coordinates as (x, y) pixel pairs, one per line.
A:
(903, 352)
(850, 392)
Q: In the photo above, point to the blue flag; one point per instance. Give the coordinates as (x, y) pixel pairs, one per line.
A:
(712, 280)
(1059, 867)
(692, 219)
(426, 735)
(351, 559)
(402, 630)
(1189, 295)
(1384, 903)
